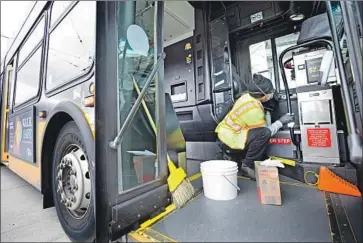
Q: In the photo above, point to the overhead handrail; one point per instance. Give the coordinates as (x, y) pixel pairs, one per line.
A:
(117, 140)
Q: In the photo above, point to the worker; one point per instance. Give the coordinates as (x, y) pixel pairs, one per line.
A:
(245, 128)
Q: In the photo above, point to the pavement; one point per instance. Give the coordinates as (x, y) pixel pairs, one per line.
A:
(23, 218)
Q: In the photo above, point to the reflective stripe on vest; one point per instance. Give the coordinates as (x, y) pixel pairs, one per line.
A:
(231, 119)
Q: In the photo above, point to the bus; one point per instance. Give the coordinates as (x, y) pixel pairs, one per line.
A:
(72, 124)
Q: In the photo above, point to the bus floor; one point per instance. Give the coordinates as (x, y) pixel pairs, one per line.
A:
(306, 215)
(22, 215)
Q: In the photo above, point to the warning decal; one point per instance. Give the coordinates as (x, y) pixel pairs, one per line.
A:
(280, 141)
(319, 137)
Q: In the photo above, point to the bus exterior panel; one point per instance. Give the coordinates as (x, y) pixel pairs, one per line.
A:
(50, 110)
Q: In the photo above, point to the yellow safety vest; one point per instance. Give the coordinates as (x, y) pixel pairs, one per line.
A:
(246, 113)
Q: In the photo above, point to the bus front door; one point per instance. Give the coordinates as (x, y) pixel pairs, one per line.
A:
(6, 95)
(130, 167)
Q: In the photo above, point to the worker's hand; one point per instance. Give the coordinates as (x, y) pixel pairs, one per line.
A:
(287, 118)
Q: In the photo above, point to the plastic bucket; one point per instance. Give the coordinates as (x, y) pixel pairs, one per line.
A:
(219, 179)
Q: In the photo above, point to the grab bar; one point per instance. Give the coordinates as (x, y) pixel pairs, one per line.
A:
(117, 141)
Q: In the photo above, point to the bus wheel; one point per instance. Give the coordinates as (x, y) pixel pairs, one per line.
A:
(72, 185)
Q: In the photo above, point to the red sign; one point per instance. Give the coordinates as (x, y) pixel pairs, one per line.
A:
(319, 137)
(281, 141)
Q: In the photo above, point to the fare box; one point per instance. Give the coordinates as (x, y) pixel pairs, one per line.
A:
(268, 184)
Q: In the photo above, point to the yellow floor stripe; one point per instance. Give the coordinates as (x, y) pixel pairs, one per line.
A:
(141, 237)
(327, 213)
(167, 238)
(149, 222)
(297, 184)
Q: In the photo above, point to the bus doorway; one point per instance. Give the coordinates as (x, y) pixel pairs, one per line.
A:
(5, 107)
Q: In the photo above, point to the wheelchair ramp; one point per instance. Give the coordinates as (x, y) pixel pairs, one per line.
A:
(302, 217)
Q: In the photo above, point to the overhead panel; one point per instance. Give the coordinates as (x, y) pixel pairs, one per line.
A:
(178, 21)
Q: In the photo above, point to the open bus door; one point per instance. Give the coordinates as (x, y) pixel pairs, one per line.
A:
(130, 167)
(5, 107)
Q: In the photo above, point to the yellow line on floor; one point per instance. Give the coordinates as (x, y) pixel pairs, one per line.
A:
(140, 236)
(327, 214)
(149, 222)
(167, 238)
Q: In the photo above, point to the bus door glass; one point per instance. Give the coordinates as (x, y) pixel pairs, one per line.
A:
(137, 154)
(221, 68)
(7, 95)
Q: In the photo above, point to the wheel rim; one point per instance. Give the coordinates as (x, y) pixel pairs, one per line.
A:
(73, 181)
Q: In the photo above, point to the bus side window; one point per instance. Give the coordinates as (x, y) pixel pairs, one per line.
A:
(27, 78)
(58, 8)
(27, 82)
(71, 44)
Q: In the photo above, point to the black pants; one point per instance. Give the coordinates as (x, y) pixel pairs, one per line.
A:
(257, 142)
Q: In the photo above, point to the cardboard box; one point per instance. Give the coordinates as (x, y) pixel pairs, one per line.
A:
(268, 184)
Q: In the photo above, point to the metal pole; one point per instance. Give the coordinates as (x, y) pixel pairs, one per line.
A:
(350, 27)
(116, 142)
(160, 111)
(355, 148)
(343, 75)
(359, 15)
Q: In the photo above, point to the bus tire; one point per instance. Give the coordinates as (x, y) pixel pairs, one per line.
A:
(71, 185)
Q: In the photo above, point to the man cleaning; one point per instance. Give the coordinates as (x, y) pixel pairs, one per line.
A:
(244, 127)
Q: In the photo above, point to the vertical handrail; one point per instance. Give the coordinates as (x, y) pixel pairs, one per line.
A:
(116, 142)
(350, 28)
(354, 143)
(340, 64)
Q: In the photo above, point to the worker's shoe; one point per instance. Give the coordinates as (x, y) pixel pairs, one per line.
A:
(248, 172)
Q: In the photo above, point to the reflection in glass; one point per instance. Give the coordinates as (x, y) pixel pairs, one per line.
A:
(261, 60)
(27, 80)
(32, 41)
(72, 45)
(58, 9)
(283, 43)
(219, 52)
(137, 155)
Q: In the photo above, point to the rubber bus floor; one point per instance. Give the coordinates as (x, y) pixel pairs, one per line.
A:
(303, 217)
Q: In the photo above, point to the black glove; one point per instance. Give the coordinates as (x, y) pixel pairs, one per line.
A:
(287, 118)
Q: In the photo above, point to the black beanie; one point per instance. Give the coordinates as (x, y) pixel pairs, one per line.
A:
(263, 84)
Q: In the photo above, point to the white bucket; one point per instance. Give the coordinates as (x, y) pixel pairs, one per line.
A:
(219, 179)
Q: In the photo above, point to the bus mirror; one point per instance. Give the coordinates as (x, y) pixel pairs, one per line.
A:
(137, 40)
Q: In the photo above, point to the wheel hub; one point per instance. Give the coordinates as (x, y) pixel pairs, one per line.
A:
(74, 184)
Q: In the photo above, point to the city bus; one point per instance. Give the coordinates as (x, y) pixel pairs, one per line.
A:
(72, 124)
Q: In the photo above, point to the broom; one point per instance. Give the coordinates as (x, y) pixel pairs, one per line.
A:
(180, 187)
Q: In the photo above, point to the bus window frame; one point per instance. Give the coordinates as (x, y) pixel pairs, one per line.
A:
(61, 16)
(73, 81)
(18, 67)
